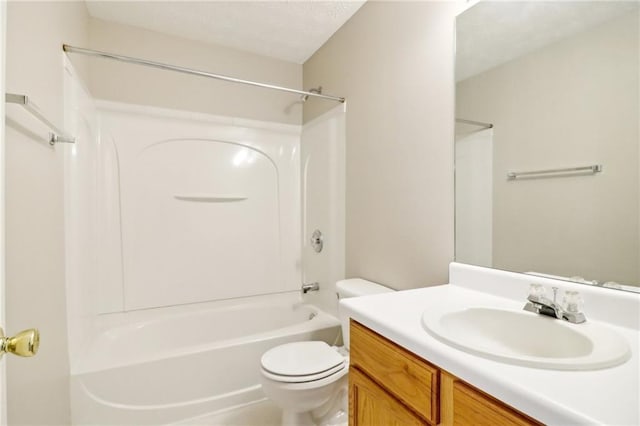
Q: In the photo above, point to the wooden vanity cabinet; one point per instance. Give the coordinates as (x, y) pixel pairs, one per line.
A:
(389, 385)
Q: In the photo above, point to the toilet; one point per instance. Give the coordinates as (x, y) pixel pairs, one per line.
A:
(308, 380)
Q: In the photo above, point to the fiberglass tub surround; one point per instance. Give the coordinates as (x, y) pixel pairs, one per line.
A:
(204, 205)
(183, 258)
(167, 207)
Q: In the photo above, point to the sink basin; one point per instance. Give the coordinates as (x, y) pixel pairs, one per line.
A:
(526, 338)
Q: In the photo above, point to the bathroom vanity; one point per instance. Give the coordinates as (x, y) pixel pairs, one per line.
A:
(402, 374)
(390, 385)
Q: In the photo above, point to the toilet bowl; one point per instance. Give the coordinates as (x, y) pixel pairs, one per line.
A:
(304, 379)
(308, 380)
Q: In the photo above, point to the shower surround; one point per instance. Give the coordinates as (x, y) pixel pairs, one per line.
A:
(183, 244)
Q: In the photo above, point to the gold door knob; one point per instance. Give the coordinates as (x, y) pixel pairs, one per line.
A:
(25, 343)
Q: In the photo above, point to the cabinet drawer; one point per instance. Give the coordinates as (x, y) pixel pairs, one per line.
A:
(472, 407)
(403, 374)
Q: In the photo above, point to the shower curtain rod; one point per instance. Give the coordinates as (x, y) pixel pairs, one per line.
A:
(475, 123)
(90, 52)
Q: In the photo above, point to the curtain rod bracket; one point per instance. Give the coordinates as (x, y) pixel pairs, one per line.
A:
(475, 123)
(54, 139)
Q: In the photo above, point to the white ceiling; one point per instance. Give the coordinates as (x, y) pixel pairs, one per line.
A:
(287, 30)
(494, 32)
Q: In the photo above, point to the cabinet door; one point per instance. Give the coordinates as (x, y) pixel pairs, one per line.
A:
(370, 405)
(401, 373)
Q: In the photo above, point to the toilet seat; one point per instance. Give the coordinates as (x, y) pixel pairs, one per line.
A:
(302, 362)
(303, 379)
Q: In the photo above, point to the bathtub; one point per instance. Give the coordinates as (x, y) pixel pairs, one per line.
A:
(172, 364)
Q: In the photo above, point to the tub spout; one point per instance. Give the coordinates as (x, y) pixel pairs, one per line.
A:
(306, 288)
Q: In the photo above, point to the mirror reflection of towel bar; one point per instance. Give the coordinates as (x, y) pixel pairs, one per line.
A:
(596, 168)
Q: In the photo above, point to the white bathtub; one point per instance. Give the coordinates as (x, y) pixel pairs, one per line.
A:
(163, 366)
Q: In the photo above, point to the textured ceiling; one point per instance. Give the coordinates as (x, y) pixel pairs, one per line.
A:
(287, 30)
(494, 32)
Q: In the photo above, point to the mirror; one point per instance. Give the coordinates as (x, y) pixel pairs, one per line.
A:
(547, 153)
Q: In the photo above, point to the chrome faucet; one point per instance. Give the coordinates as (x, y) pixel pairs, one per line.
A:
(306, 288)
(539, 304)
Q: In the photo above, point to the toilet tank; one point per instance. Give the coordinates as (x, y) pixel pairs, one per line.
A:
(355, 287)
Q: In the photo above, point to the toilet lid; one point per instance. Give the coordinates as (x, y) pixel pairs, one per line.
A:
(301, 359)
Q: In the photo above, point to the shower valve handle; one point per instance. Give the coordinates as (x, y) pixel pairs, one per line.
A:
(317, 241)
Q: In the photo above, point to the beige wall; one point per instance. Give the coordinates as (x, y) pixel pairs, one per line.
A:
(393, 61)
(117, 81)
(35, 287)
(572, 103)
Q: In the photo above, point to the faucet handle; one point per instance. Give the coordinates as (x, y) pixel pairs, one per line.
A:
(536, 290)
(572, 301)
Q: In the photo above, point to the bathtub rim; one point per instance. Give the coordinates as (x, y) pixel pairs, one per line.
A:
(88, 362)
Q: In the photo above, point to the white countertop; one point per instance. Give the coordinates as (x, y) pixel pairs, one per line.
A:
(608, 396)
